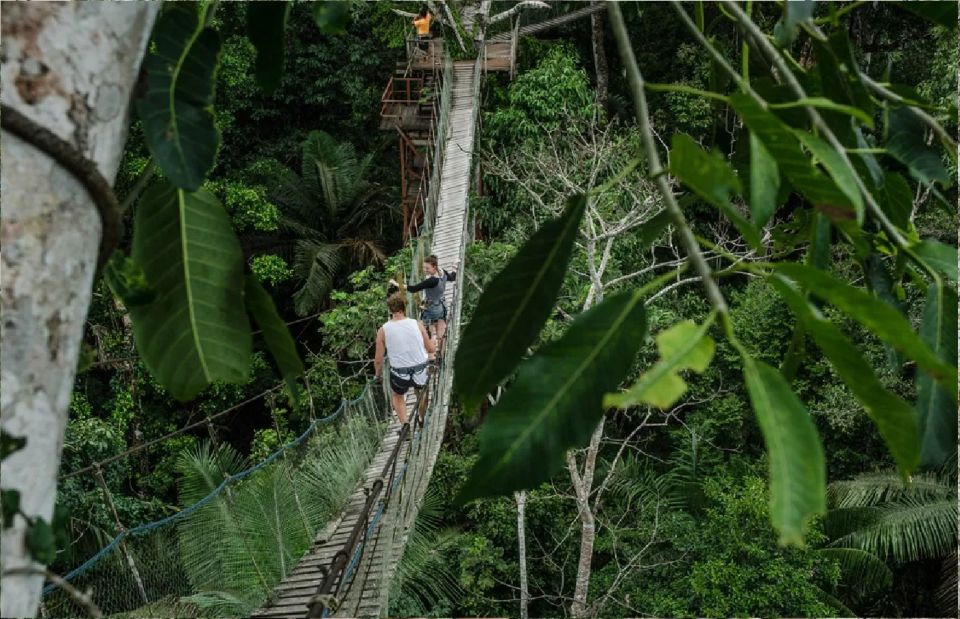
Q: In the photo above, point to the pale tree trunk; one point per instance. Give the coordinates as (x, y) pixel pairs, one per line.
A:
(69, 67)
(521, 499)
(600, 56)
(583, 486)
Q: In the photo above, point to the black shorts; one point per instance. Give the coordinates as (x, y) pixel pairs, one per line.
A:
(401, 383)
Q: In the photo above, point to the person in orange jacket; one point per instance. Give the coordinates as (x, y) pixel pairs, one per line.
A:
(422, 23)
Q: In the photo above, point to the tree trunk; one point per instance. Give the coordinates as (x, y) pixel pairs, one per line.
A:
(521, 499)
(70, 67)
(583, 486)
(600, 56)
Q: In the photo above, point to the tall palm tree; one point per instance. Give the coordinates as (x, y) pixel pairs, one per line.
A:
(878, 517)
(333, 214)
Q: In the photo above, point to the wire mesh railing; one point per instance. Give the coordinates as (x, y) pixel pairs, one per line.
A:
(245, 528)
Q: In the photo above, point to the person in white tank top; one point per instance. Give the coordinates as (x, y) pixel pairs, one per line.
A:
(406, 344)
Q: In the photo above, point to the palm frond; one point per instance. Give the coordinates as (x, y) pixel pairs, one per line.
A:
(364, 252)
(947, 589)
(293, 195)
(878, 488)
(636, 487)
(204, 467)
(315, 265)
(845, 520)
(330, 170)
(422, 578)
(861, 573)
(908, 532)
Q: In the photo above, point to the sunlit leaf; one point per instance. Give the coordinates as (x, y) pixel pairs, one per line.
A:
(884, 321)
(555, 403)
(892, 415)
(905, 141)
(798, 476)
(266, 25)
(936, 408)
(684, 346)
(514, 307)
(711, 178)
(276, 335)
(196, 331)
(176, 110)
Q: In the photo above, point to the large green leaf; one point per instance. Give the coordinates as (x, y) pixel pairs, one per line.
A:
(841, 173)
(798, 477)
(896, 199)
(784, 146)
(176, 110)
(266, 23)
(281, 346)
(893, 416)
(905, 141)
(556, 401)
(710, 177)
(937, 409)
(684, 346)
(514, 306)
(884, 321)
(839, 73)
(764, 182)
(939, 256)
(196, 331)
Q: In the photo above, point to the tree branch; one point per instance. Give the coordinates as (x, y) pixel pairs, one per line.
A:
(655, 169)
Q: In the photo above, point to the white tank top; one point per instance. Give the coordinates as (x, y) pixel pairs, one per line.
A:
(404, 343)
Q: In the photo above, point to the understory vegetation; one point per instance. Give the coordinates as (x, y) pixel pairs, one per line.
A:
(674, 488)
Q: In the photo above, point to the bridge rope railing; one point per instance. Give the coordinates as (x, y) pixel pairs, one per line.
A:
(391, 515)
(229, 549)
(392, 498)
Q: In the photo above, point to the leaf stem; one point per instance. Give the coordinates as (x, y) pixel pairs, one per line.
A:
(635, 80)
(685, 88)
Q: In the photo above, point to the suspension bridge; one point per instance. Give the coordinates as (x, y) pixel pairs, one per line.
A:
(317, 528)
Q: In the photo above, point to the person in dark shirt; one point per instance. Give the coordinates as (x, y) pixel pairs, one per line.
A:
(433, 287)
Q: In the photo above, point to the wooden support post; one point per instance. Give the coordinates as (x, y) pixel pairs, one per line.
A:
(108, 497)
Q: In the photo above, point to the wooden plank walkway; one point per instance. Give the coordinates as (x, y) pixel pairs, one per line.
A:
(553, 22)
(375, 570)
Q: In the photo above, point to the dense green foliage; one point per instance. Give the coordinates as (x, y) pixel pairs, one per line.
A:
(834, 332)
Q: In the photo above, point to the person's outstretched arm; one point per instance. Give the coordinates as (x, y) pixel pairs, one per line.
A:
(430, 282)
